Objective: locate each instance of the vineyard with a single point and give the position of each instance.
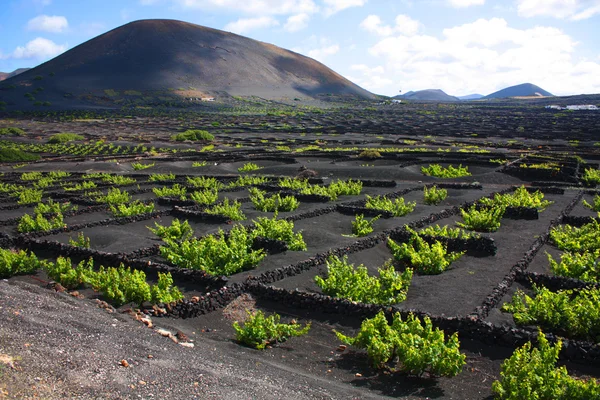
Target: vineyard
(435, 264)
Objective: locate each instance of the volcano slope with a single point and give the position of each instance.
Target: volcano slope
(151, 60)
(78, 343)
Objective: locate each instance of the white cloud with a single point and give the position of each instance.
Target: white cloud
(47, 23)
(296, 22)
(321, 53)
(42, 3)
(465, 3)
(244, 25)
(572, 9)
(38, 48)
(372, 77)
(404, 25)
(482, 57)
(255, 7)
(335, 6)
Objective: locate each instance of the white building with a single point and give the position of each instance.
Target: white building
(583, 107)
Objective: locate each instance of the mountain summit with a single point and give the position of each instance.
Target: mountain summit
(522, 90)
(169, 55)
(427, 95)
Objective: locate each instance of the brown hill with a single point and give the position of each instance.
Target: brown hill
(6, 75)
(178, 57)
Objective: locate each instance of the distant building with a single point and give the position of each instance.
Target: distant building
(396, 101)
(583, 107)
(554, 107)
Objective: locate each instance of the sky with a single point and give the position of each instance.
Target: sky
(386, 46)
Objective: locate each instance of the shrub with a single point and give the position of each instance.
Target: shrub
(38, 222)
(272, 203)
(164, 291)
(449, 172)
(354, 283)
(344, 188)
(533, 374)
(482, 220)
(425, 258)
(80, 186)
(293, 183)
(64, 137)
(52, 207)
(31, 176)
(81, 241)
(279, 229)
(16, 155)
(161, 177)
(575, 312)
(369, 154)
(215, 254)
(260, 331)
(584, 238)
(177, 231)
(193, 135)
(203, 182)
(433, 195)
(446, 232)
(595, 206)
(118, 179)
(13, 262)
(591, 177)
(199, 164)
(584, 266)
(233, 211)
(520, 198)
(175, 191)
(114, 197)
(247, 181)
(134, 208)
(62, 271)
(410, 346)
(361, 226)
(12, 131)
(397, 206)
(205, 197)
(248, 167)
(140, 167)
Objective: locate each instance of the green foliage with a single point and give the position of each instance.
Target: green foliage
(279, 229)
(164, 291)
(482, 220)
(595, 206)
(520, 198)
(433, 195)
(294, 183)
(248, 181)
(272, 203)
(354, 283)
(397, 206)
(233, 210)
(412, 347)
(205, 197)
(38, 222)
(134, 208)
(58, 174)
(584, 238)
(114, 197)
(575, 312)
(203, 182)
(15, 155)
(161, 177)
(118, 179)
(425, 258)
(64, 137)
(52, 207)
(449, 172)
(85, 185)
(550, 166)
(591, 176)
(533, 374)
(13, 262)
(362, 226)
(344, 188)
(31, 176)
(447, 232)
(199, 164)
(369, 154)
(62, 271)
(139, 166)
(193, 135)
(175, 191)
(584, 266)
(12, 131)
(177, 231)
(260, 331)
(248, 167)
(215, 254)
(82, 241)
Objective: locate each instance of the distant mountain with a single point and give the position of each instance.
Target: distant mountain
(522, 90)
(6, 75)
(174, 58)
(427, 95)
(474, 96)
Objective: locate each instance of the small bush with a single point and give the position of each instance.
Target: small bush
(38, 222)
(260, 331)
(344, 188)
(13, 262)
(114, 197)
(193, 135)
(29, 196)
(65, 137)
(249, 167)
(369, 154)
(397, 206)
(12, 131)
(203, 182)
(446, 232)
(134, 208)
(52, 207)
(272, 203)
(584, 238)
(482, 220)
(433, 195)
(140, 167)
(82, 241)
(362, 226)
(161, 177)
(595, 206)
(233, 210)
(449, 172)
(279, 229)
(16, 155)
(591, 177)
(520, 198)
(178, 231)
(584, 266)
(175, 191)
(205, 197)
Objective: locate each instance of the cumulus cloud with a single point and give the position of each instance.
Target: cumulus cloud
(372, 77)
(38, 48)
(403, 24)
(465, 3)
(244, 25)
(255, 7)
(484, 56)
(572, 9)
(321, 53)
(47, 23)
(296, 22)
(335, 6)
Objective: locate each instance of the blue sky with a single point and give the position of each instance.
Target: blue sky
(459, 46)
